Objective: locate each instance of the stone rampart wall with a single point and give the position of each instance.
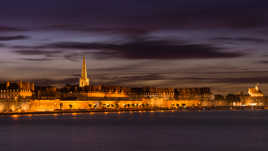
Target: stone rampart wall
(61, 105)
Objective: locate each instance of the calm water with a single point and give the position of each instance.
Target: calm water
(157, 131)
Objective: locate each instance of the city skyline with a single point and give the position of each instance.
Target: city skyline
(134, 75)
(179, 47)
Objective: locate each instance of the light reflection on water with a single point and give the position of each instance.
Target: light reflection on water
(14, 117)
(135, 131)
(137, 114)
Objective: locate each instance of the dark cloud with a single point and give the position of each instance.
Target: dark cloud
(123, 68)
(127, 79)
(133, 48)
(36, 59)
(8, 38)
(229, 80)
(246, 80)
(37, 52)
(38, 55)
(251, 39)
(240, 39)
(73, 56)
(163, 50)
(10, 29)
(74, 45)
(85, 28)
(148, 49)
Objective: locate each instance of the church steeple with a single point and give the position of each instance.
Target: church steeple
(84, 81)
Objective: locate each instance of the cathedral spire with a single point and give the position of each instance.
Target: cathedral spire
(84, 81)
(84, 68)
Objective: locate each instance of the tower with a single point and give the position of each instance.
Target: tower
(84, 81)
(257, 87)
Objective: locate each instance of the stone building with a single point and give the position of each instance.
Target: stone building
(84, 81)
(255, 92)
(15, 90)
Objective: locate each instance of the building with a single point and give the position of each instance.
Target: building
(254, 97)
(14, 90)
(84, 81)
(255, 92)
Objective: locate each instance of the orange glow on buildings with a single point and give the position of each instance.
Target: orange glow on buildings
(25, 97)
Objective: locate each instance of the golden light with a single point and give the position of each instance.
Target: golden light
(15, 116)
(12, 108)
(252, 104)
(74, 114)
(2, 107)
(25, 107)
(55, 114)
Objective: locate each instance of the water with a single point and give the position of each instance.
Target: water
(137, 131)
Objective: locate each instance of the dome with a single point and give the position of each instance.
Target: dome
(255, 92)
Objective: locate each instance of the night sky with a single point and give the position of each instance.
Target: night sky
(222, 44)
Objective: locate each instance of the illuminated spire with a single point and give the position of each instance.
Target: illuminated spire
(84, 81)
(257, 87)
(84, 69)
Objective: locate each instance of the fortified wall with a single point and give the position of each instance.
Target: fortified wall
(102, 98)
(27, 98)
(93, 105)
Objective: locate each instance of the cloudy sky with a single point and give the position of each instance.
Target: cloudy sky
(220, 44)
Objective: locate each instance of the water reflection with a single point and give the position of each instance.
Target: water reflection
(15, 117)
(136, 115)
(148, 131)
(75, 114)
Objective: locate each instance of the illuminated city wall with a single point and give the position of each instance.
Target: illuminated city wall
(59, 105)
(13, 106)
(92, 105)
(111, 104)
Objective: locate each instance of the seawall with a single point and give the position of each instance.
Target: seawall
(56, 105)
